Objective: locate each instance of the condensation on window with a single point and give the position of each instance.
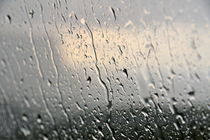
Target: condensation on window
(84, 69)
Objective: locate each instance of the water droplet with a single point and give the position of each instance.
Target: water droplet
(25, 131)
(31, 13)
(49, 83)
(25, 117)
(125, 72)
(39, 118)
(113, 12)
(82, 20)
(9, 18)
(191, 93)
(89, 79)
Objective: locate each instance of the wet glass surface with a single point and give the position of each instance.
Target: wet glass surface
(83, 69)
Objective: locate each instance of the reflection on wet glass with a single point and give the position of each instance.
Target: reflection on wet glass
(104, 69)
